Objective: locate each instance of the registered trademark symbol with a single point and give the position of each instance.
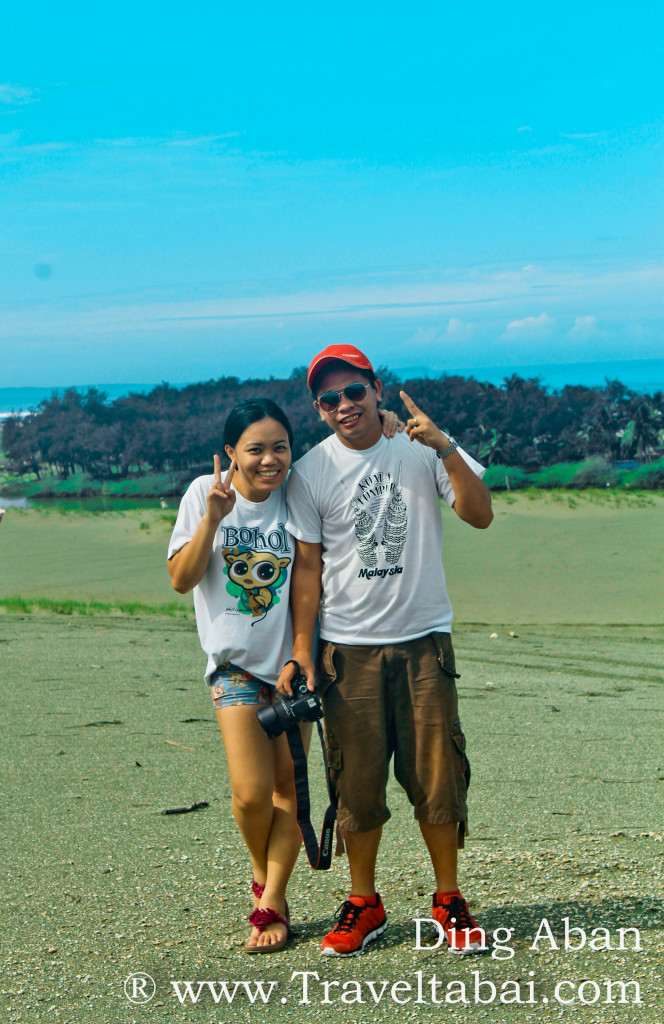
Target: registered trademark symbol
(139, 987)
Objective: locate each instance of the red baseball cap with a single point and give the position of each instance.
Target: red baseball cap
(343, 353)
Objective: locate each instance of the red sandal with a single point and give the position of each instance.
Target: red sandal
(260, 919)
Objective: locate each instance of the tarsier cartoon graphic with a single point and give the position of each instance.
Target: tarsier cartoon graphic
(259, 574)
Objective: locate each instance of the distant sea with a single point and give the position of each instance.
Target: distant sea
(645, 376)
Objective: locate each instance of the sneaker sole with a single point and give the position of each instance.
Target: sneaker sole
(329, 951)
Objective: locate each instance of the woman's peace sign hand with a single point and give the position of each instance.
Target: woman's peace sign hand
(420, 428)
(221, 496)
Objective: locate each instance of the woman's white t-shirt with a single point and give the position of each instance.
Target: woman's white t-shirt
(241, 604)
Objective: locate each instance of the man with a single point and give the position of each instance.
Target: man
(366, 515)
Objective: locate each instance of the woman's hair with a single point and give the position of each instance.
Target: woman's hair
(251, 411)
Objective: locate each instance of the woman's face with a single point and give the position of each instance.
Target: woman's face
(263, 459)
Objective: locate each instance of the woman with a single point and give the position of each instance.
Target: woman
(230, 544)
(231, 547)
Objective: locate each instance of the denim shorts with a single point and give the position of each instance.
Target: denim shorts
(231, 685)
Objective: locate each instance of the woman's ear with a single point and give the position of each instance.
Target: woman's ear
(229, 451)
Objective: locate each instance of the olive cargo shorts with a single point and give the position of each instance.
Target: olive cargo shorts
(395, 699)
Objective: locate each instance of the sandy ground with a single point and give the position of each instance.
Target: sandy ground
(106, 722)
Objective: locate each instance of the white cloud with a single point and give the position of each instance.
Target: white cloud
(458, 302)
(147, 141)
(585, 327)
(532, 326)
(201, 140)
(458, 330)
(17, 95)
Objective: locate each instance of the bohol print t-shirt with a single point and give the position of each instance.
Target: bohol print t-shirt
(241, 603)
(377, 513)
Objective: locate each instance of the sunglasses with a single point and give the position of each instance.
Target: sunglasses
(329, 400)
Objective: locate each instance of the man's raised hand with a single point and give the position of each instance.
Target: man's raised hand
(421, 428)
(221, 496)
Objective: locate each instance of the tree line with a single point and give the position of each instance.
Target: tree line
(518, 423)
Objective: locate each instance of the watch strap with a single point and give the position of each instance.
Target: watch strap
(452, 447)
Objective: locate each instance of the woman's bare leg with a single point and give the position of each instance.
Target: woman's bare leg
(285, 838)
(263, 805)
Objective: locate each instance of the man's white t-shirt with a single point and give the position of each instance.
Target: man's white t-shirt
(241, 604)
(377, 513)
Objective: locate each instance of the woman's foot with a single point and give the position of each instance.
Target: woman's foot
(271, 928)
(257, 890)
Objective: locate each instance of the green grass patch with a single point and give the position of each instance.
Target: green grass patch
(49, 485)
(508, 478)
(67, 606)
(614, 497)
(561, 475)
(595, 471)
(592, 472)
(150, 485)
(650, 477)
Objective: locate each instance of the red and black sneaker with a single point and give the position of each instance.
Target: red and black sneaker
(359, 920)
(462, 932)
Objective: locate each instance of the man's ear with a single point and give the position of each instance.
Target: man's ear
(379, 388)
(317, 408)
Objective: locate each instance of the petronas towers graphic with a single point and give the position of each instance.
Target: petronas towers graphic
(381, 519)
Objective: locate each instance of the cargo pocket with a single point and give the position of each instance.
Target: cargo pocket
(327, 673)
(445, 653)
(327, 677)
(459, 741)
(333, 752)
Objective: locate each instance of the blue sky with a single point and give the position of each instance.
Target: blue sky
(193, 190)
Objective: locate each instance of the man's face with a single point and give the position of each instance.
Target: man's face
(357, 424)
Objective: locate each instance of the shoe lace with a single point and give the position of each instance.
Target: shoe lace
(457, 908)
(346, 916)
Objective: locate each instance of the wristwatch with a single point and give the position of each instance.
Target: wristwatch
(452, 447)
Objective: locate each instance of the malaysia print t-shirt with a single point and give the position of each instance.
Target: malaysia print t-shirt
(241, 603)
(377, 513)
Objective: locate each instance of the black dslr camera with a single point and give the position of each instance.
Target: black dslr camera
(287, 712)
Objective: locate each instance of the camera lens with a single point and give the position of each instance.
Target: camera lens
(274, 719)
(287, 712)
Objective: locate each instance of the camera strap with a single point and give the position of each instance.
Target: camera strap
(319, 855)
